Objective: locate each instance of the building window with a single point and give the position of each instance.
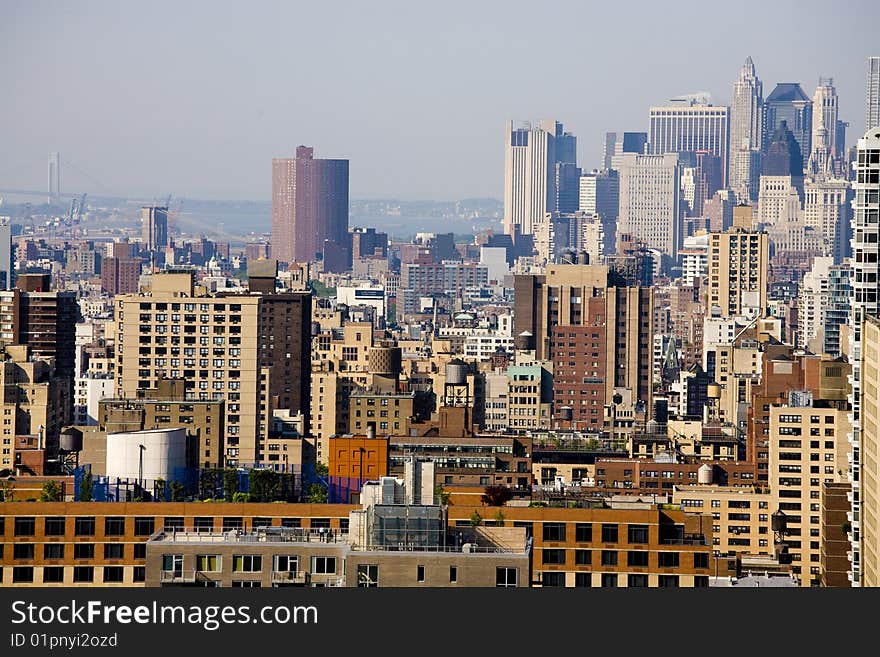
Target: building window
(701, 560)
(554, 531)
(667, 559)
(420, 573)
(637, 533)
(667, 581)
(583, 557)
(247, 563)
(208, 563)
(113, 573)
(114, 550)
(505, 577)
(83, 574)
(553, 580)
(22, 574)
(140, 551)
(204, 524)
(173, 524)
(453, 575)
(53, 551)
(84, 526)
(583, 532)
(637, 581)
(637, 559)
(609, 580)
(323, 565)
(139, 574)
(84, 551)
(53, 574)
(114, 526)
(554, 557)
(25, 527)
(367, 576)
(23, 551)
(583, 580)
(609, 557)
(55, 526)
(609, 533)
(144, 526)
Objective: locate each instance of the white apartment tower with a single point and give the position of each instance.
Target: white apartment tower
(863, 301)
(872, 95)
(650, 200)
(825, 109)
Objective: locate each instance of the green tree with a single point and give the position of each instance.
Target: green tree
(230, 483)
(208, 484)
(51, 492)
(265, 485)
(317, 494)
(442, 495)
(321, 469)
(7, 490)
(476, 519)
(499, 518)
(86, 487)
(238, 496)
(178, 491)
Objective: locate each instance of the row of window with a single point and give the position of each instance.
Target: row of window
(26, 551)
(635, 559)
(556, 532)
(81, 574)
(82, 526)
(612, 580)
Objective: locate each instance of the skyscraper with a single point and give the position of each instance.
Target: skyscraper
(865, 301)
(872, 95)
(535, 158)
(600, 194)
(825, 108)
(687, 128)
(746, 116)
(154, 227)
(54, 176)
(650, 200)
(309, 205)
(780, 195)
(7, 266)
(789, 103)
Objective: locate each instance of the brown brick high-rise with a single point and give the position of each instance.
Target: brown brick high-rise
(309, 205)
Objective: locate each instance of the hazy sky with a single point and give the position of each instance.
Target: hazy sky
(195, 98)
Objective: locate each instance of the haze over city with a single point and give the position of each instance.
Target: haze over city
(195, 99)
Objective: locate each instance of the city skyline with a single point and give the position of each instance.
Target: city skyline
(238, 115)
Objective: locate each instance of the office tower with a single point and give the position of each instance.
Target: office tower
(309, 205)
(631, 142)
(872, 95)
(608, 151)
(650, 200)
(825, 109)
(7, 262)
(782, 178)
(154, 227)
(838, 307)
(687, 128)
(600, 194)
(789, 103)
(746, 116)
(864, 302)
(700, 180)
(530, 173)
(367, 243)
(54, 183)
(828, 210)
(568, 177)
(738, 265)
